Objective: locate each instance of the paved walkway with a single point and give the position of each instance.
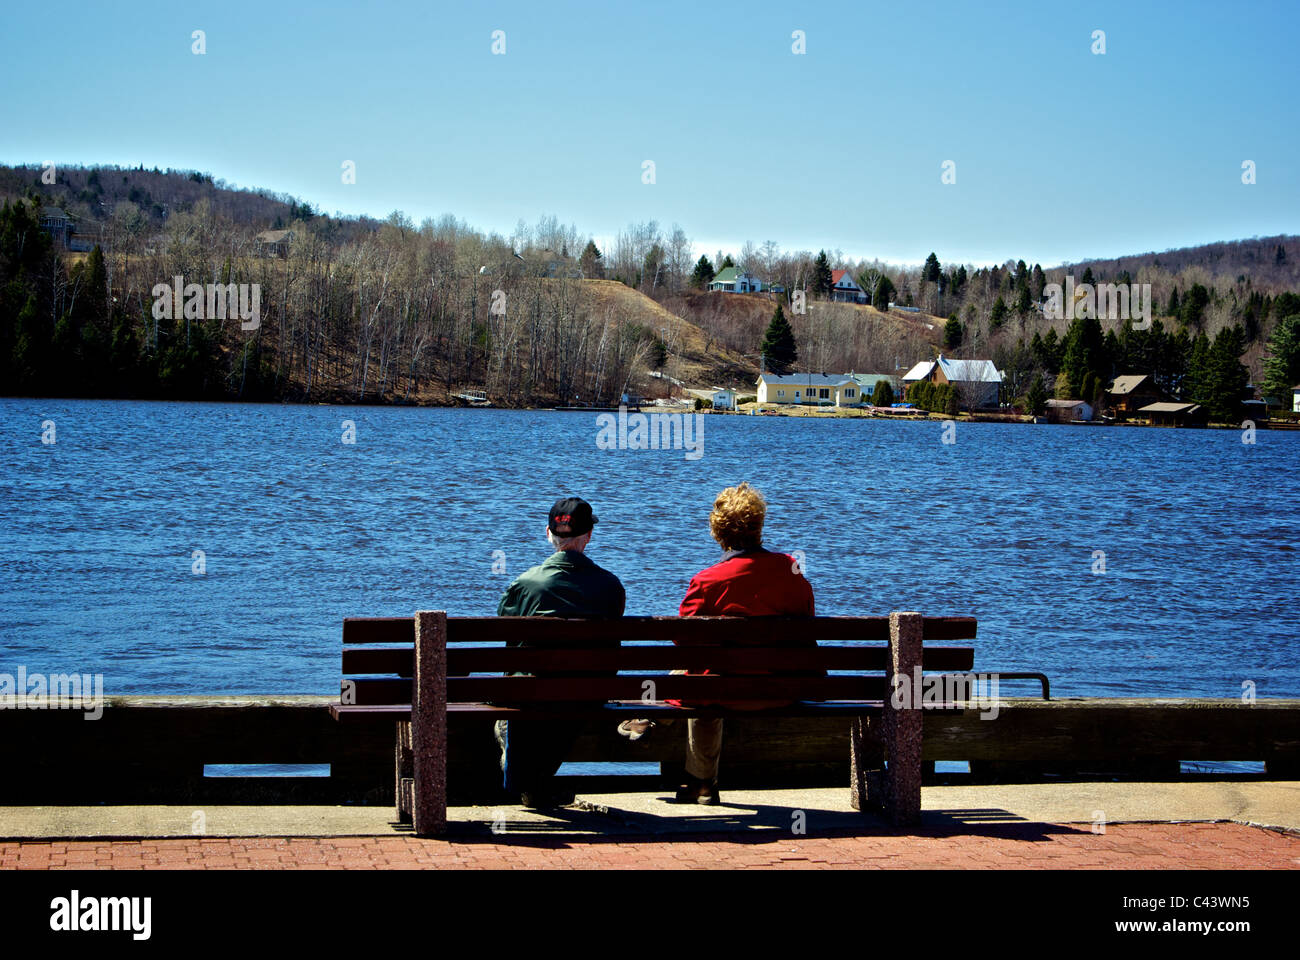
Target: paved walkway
(1126, 846)
(1222, 825)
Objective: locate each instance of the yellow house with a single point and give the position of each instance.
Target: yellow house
(839, 390)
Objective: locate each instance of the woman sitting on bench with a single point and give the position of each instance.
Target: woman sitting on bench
(749, 581)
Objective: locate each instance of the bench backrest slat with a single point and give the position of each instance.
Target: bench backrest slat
(756, 631)
(359, 661)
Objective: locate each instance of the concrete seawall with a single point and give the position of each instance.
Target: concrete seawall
(153, 749)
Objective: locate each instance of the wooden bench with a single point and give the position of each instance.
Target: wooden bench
(416, 671)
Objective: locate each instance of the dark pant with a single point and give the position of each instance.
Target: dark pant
(533, 749)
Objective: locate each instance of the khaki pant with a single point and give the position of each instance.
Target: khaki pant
(703, 747)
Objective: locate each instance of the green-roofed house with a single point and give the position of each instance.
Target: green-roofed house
(732, 280)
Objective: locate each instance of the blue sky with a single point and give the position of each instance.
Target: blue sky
(1059, 153)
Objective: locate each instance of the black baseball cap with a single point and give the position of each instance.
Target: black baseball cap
(571, 517)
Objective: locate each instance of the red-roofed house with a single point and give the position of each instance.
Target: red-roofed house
(844, 289)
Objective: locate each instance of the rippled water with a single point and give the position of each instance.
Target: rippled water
(300, 530)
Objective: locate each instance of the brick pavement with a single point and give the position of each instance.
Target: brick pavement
(1123, 846)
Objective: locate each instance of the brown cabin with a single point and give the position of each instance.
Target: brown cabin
(1129, 394)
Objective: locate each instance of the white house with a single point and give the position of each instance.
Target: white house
(844, 289)
(733, 280)
(814, 388)
(724, 399)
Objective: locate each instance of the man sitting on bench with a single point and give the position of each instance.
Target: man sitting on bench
(566, 584)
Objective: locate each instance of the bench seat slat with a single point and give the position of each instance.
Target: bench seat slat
(463, 661)
(388, 713)
(541, 689)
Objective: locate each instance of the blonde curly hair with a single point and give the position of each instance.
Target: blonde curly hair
(737, 518)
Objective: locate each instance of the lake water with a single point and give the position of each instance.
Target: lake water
(299, 529)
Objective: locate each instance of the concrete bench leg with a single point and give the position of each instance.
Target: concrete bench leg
(404, 770)
(429, 723)
(901, 727)
(866, 767)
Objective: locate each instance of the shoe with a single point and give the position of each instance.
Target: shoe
(635, 729)
(545, 799)
(699, 791)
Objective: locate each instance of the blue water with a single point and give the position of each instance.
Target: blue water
(299, 530)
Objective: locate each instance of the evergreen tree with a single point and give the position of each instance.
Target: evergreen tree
(1171, 309)
(821, 277)
(1090, 389)
(1036, 283)
(1197, 383)
(658, 354)
(1064, 388)
(1037, 350)
(1280, 257)
(883, 294)
(1112, 354)
(1052, 351)
(778, 348)
(1227, 376)
(1192, 312)
(883, 394)
(1084, 351)
(1036, 399)
(999, 313)
(590, 262)
(703, 274)
(952, 334)
(931, 272)
(1282, 368)
(1087, 275)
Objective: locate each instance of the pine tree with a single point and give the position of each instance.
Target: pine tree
(778, 348)
(1192, 313)
(1036, 399)
(952, 334)
(703, 274)
(1227, 376)
(1282, 369)
(931, 272)
(883, 394)
(1197, 382)
(821, 278)
(1171, 309)
(590, 262)
(1052, 351)
(999, 313)
(1088, 392)
(883, 294)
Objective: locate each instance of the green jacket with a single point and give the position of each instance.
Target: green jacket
(566, 584)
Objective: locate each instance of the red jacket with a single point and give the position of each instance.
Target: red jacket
(759, 583)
